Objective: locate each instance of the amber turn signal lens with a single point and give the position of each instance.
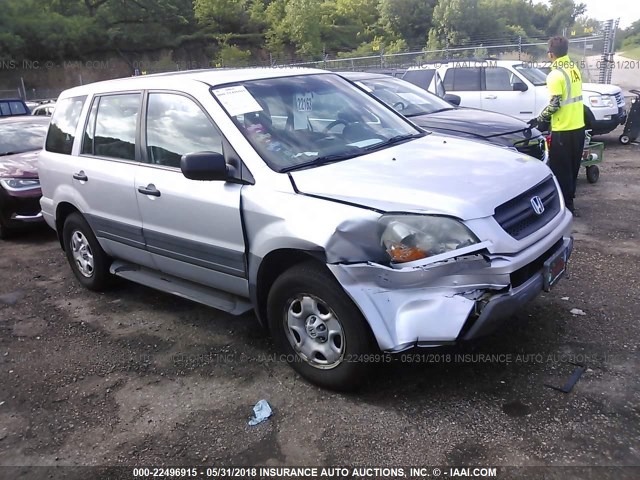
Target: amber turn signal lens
(400, 253)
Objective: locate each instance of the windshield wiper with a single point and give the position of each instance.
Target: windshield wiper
(429, 113)
(394, 140)
(8, 153)
(323, 160)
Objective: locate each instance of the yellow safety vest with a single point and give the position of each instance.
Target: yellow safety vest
(565, 79)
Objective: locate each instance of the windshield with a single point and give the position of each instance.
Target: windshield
(404, 97)
(532, 74)
(294, 122)
(21, 136)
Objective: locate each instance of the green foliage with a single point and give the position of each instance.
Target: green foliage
(222, 15)
(232, 56)
(630, 38)
(229, 29)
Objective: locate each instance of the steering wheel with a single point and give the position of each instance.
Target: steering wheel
(399, 106)
(335, 123)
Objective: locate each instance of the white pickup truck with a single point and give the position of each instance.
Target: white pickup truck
(514, 88)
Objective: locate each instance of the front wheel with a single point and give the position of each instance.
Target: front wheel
(624, 139)
(323, 334)
(593, 173)
(4, 232)
(90, 264)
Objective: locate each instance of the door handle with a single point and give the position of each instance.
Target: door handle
(80, 176)
(149, 190)
(491, 97)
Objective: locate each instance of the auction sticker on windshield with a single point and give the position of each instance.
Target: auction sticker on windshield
(304, 102)
(237, 100)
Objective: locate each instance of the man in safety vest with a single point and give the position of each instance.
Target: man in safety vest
(566, 113)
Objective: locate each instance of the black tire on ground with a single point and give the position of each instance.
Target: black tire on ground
(311, 281)
(624, 139)
(4, 232)
(99, 277)
(593, 173)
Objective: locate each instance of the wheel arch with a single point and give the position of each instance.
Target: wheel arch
(270, 268)
(63, 210)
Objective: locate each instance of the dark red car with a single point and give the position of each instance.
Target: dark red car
(21, 139)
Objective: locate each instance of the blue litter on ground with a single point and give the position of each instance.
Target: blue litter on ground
(261, 411)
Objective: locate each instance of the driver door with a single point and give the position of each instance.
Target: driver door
(499, 95)
(193, 229)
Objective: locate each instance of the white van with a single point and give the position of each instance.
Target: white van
(517, 89)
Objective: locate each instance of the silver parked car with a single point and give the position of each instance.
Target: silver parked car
(347, 229)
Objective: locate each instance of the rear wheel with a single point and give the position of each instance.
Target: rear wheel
(593, 173)
(90, 264)
(323, 334)
(624, 139)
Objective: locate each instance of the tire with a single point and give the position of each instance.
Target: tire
(4, 232)
(624, 139)
(593, 173)
(90, 264)
(338, 361)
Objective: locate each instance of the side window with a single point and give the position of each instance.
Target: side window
(18, 108)
(498, 78)
(62, 129)
(420, 78)
(176, 125)
(462, 79)
(4, 108)
(115, 126)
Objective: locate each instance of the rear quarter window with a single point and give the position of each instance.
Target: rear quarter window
(420, 78)
(62, 130)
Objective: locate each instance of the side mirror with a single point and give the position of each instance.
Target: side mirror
(520, 87)
(204, 166)
(451, 98)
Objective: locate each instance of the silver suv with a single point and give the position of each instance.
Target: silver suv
(349, 230)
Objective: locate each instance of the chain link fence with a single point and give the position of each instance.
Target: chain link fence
(593, 53)
(586, 51)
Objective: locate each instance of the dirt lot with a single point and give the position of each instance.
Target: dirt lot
(137, 377)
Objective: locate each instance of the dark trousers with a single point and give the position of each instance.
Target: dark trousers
(564, 160)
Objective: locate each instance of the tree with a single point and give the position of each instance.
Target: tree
(562, 14)
(410, 20)
(227, 16)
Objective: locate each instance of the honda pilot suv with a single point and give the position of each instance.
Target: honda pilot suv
(292, 192)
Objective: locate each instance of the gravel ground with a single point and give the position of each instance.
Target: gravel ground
(138, 377)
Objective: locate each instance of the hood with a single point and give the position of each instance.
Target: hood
(20, 165)
(475, 123)
(600, 88)
(434, 174)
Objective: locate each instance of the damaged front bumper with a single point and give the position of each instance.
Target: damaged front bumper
(443, 302)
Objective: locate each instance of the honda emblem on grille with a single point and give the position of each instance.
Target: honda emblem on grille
(537, 205)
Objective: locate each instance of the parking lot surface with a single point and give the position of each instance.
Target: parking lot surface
(138, 377)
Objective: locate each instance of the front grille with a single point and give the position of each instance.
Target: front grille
(534, 148)
(517, 216)
(619, 98)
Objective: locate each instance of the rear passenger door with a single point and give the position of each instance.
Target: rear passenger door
(102, 171)
(466, 83)
(192, 229)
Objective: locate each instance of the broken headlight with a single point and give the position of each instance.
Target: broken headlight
(411, 237)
